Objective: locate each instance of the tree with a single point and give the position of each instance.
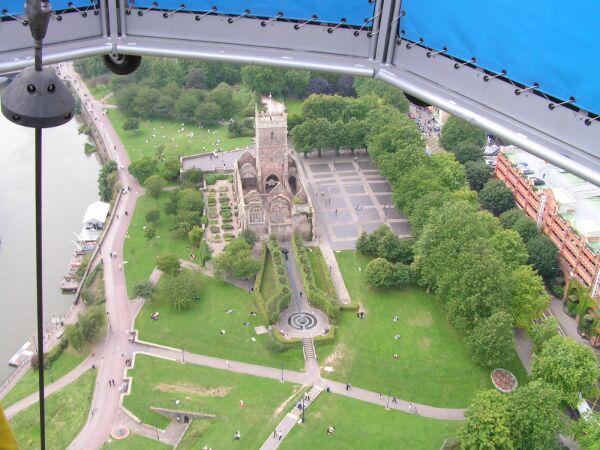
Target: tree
(380, 273)
(195, 236)
(186, 107)
(195, 79)
(318, 85)
(144, 289)
(249, 236)
(143, 168)
(458, 132)
(153, 216)
(508, 218)
(180, 292)
(389, 94)
(478, 173)
(154, 185)
(193, 176)
(208, 113)
(329, 107)
(467, 152)
(496, 197)
(570, 367)
(487, 423)
(149, 232)
(535, 417)
(345, 86)
(131, 124)
(294, 82)
(587, 432)
(510, 247)
(105, 181)
(223, 97)
(529, 299)
(168, 263)
(542, 332)
(236, 261)
(170, 170)
(526, 227)
(543, 255)
(75, 337)
(366, 245)
(491, 342)
(190, 200)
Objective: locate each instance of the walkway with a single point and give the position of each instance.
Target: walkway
(119, 310)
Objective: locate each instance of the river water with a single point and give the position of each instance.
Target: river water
(69, 185)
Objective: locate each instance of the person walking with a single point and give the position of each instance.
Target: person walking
(280, 434)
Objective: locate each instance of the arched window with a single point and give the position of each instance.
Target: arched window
(271, 182)
(256, 215)
(272, 136)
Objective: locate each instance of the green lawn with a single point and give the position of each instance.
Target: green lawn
(293, 105)
(99, 91)
(29, 383)
(361, 425)
(197, 330)
(158, 382)
(66, 413)
(175, 144)
(433, 367)
(141, 254)
(320, 271)
(135, 442)
(267, 286)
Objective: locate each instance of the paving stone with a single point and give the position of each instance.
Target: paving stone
(361, 200)
(400, 227)
(384, 199)
(368, 214)
(342, 166)
(319, 168)
(345, 231)
(354, 189)
(380, 187)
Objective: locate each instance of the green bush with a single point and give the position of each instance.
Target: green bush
(210, 179)
(226, 219)
(227, 226)
(220, 176)
(226, 214)
(228, 236)
(214, 229)
(274, 345)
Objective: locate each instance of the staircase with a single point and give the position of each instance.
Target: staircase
(433, 143)
(309, 348)
(312, 395)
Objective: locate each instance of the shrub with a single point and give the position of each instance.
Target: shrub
(226, 219)
(210, 179)
(227, 226)
(214, 229)
(273, 345)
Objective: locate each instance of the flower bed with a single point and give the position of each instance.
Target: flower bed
(504, 381)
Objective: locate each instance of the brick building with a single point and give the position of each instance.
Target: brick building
(553, 210)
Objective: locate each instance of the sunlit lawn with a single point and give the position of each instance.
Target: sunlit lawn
(319, 269)
(135, 442)
(175, 144)
(433, 366)
(198, 330)
(29, 383)
(140, 253)
(99, 91)
(361, 425)
(267, 287)
(158, 382)
(66, 413)
(293, 105)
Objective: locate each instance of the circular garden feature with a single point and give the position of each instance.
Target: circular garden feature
(504, 381)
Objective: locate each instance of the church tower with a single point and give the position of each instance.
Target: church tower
(271, 150)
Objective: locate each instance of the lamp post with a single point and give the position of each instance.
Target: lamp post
(303, 419)
(282, 371)
(38, 99)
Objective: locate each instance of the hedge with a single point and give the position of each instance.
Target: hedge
(317, 298)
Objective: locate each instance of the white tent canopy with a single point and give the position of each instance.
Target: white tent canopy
(96, 212)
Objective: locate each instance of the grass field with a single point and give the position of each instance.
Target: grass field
(361, 425)
(29, 383)
(433, 366)
(135, 442)
(197, 330)
(175, 144)
(141, 254)
(267, 287)
(293, 105)
(99, 91)
(319, 269)
(66, 413)
(158, 382)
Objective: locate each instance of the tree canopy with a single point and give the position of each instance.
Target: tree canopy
(236, 261)
(543, 255)
(168, 263)
(180, 292)
(491, 343)
(496, 197)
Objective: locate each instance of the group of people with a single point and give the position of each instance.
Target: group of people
(154, 315)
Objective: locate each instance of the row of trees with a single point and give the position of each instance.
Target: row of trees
(336, 122)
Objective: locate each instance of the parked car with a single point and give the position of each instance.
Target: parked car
(537, 181)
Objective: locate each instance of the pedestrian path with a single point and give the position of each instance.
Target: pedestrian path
(292, 418)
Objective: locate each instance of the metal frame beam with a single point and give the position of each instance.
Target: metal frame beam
(563, 136)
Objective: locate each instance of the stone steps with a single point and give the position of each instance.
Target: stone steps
(309, 348)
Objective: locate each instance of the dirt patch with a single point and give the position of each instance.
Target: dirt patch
(421, 319)
(193, 389)
(337, 355)
(288, 400)
(424, 344)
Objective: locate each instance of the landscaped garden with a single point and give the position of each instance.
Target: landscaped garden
(160, 383)
(139, 252)
(361, 425)
(140, 143)
(432, 365)
(198, 329)
(66, 413)
(221, 216)
(320, 271)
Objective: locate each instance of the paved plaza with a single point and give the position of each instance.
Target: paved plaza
(350, 196)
